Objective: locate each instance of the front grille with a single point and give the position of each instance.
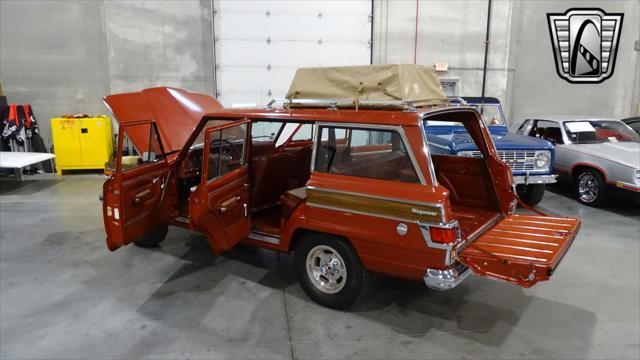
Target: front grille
(518, 160)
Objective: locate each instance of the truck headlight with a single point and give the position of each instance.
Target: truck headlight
(542, 160)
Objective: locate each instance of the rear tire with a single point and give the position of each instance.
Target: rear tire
(531, 194)
(590, 188)
(329, 271)
(153, 237)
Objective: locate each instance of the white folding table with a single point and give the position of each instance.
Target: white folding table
(18, 160)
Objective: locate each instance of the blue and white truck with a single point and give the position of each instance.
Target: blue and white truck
(531, 159)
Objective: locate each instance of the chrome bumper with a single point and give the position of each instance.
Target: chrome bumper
(534, 179)
(437, 279)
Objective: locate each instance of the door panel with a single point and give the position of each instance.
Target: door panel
(466, 179)
(522, 249)
(135, 198)
(219, 206)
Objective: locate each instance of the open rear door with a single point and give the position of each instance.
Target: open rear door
(219, 206)
(522, 249)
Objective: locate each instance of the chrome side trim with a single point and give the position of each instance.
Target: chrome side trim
(271, 239)
(441, 280)
(534, 179)
(396, 128)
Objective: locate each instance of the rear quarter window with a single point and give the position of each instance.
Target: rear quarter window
(366, 153)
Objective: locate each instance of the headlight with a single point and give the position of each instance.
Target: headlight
(637, 178)
(542, 160)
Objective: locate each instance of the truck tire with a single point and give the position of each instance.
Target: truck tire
(154, 237)
(590, 188)
(531, 194)
(330, 271)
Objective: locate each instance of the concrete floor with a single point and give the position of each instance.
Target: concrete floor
(64, 295)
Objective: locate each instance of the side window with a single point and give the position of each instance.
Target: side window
(523, 126)
(368, 153)
(140, 146)
(443, 137)
(265, 131)
(226, 150)
(305, 133)
(635, 126)
(547, 130)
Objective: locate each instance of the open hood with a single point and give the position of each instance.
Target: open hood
(176, 113)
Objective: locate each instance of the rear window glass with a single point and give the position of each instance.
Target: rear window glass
(368, 153)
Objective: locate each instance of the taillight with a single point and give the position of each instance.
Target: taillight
(442, 235)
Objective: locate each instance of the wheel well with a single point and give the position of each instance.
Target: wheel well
(301, 233)
(576, 170)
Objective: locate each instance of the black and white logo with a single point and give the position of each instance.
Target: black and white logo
(585, 43)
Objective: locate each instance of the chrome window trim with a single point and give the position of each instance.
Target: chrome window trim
(315, 146)
(365, 126)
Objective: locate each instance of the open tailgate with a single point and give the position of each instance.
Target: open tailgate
(522, 249)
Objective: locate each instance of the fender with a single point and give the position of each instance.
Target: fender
(604, 173)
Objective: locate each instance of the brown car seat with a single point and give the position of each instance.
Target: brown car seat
(270, 179)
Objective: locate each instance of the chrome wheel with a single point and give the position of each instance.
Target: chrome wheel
(326, 269)
(588, 188)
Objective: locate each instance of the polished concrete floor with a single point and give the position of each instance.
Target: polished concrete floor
(64, 295)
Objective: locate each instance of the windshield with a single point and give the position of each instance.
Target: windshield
(599, 131)
(491, 114)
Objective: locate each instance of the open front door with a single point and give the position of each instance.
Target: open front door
(134, 197)
(522, 249)
(219, 206)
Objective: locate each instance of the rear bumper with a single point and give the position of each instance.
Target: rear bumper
(534, 179)
(437, 279)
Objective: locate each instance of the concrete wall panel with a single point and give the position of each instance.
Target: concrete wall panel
(53, 56)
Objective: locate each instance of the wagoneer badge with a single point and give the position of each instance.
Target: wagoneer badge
(585, 43)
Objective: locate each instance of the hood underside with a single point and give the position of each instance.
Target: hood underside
(176, 113)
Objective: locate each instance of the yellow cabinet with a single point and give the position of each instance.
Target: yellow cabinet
(81, 143)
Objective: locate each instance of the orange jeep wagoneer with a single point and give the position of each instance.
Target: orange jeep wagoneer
(349, 189)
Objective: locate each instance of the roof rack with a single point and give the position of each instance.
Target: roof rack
(343, 103)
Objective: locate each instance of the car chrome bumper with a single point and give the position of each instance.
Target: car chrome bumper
(534, 179)
(437, 279)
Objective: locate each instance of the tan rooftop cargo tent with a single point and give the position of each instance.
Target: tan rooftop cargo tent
(372, 83)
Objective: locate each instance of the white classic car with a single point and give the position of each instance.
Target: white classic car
(594, 154)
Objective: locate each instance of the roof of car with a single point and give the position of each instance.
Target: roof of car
(479, 100)
(559, 118)
(347, 115)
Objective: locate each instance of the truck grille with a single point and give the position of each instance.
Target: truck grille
(518, 160)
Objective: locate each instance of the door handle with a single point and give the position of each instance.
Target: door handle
(137, 198)
(228, 204)
(155, 180)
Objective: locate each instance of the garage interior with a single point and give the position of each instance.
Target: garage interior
(64, 295)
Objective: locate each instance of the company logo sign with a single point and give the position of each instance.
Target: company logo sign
(585, 43)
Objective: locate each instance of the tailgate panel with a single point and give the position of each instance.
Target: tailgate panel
(522, 249)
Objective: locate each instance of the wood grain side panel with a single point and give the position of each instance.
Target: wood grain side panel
(375, 206)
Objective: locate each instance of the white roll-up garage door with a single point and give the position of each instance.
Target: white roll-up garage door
(260, 44)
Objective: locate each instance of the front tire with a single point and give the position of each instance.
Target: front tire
(330, 271)
(154, 237)
(531, 194)
(590, 188)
